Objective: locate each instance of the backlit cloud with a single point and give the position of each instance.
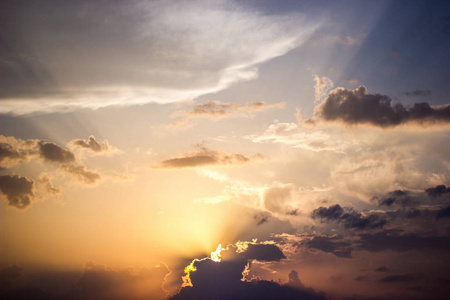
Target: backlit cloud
(353, 107)
(92, 144)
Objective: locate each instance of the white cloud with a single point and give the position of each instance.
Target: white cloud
(159, 51)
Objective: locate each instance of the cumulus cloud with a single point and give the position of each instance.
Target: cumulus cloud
(18, 190)
(18, 151)
(180, 50)
(225, 279)
(51, 152)
(92, 144)
(15, 151)
(207, 157)
(437, 191)
(348, 217)
(353, 107)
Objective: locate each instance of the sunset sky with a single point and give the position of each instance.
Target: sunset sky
(224, 149)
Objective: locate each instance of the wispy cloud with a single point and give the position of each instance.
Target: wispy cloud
(163, 51)
(206, 157)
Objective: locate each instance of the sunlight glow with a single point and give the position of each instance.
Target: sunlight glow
(215, 255)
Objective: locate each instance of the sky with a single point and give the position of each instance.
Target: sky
(224, 149)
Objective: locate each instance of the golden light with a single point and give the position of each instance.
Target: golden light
(215, 255)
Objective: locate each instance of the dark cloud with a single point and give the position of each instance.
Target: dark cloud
(224, 279)
(53, 153)
(261, 218)
(443, 213)
(358, 107)
(19, 191)
(396, 241)
(92, 144)
(398, 197)
(348, 217)
(437, 191)
(419, 93)
(331, 245)
(97, 282)
(206, 157)
(382, 269)
(333, 212)
(398, 278)
(10, 156)
(263, 252)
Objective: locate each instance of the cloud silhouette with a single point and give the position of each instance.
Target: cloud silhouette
(224, 279)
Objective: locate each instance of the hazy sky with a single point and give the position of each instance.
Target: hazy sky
(309, 139)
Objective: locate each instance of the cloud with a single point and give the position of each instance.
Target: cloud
(322, 86)
(95, 282)
(353, 107)
(92, 145)
(297, 137)
(348, 217)
(206, 157)
(15, 151)
(45, 181)
(330, 245)
(19, 191)
(382, 269)
(392, 240)
(180, 50)
(419, 93)
(51, 152)
(397, 197)
(81, 173)
(219, 110)
(225, 279)
(277, 197)
(437, 191)
(443, 213)
(398, 278)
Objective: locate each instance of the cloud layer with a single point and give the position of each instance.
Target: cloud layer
(163, 51)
